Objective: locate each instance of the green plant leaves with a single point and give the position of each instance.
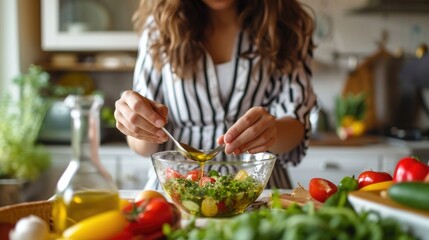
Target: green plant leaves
(20, 124)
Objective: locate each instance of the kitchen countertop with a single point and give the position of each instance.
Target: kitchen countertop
(331, 139)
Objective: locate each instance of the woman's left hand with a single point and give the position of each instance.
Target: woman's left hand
(254, 132)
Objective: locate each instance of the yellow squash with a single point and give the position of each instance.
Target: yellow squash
(99, 227)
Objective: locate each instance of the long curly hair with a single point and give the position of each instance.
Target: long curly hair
(280, 30)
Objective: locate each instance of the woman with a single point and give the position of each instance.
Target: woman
(234, 72)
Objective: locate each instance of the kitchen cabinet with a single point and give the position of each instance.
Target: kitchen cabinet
(132, 169)
(110, 82)
(88, 25)
(334, 163)
(128, 169)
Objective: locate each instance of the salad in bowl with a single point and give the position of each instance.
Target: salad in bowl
(222, 187)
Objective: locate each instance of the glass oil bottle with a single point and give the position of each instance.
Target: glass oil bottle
(85, 189)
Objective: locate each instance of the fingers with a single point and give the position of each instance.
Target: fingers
(220, 140)
(253, 132)
(130, 129)
(144, 107)
(140, 117)
(260, 144)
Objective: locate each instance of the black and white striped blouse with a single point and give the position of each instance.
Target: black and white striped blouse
(197, 115)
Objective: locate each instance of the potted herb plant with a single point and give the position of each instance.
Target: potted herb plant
(22, 159)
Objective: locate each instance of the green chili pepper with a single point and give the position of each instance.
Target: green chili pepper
(348, 184)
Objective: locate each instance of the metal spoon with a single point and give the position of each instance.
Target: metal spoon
(192, 153)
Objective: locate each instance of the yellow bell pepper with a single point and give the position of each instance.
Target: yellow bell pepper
(380, 186)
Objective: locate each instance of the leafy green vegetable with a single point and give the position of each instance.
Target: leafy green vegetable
(295, 223)
(340, 198)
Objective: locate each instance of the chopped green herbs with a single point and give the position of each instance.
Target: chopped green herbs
(232, 196)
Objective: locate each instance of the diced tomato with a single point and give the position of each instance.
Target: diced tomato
(221, 206)
(194, 175)
(205, 180)
(321, 189)
(170, 173)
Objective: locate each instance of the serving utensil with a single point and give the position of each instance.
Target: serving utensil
(192, 153)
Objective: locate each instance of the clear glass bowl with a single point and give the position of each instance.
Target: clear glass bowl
(229, 183)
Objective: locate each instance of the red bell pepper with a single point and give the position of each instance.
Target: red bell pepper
(410, 169)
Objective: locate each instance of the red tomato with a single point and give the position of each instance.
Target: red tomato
(221, 207)
(5, 229)
(194, 175)
(124, 235)
(148, 216)
(321, 189)
(370, 177)
(170, 173)
(205, 180)
(410, 169)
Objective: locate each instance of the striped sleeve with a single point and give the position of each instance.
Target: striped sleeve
(296, 100)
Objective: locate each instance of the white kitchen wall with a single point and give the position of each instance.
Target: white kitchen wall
(9, 47)
(349, 33)
(19, 40)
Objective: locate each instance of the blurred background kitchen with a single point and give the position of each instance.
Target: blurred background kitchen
(379, 47)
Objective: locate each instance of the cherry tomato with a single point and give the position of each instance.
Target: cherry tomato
(370, 177)
(148, 216)
(410, 169)
(321, 189)
(170, 173)
(194, 175)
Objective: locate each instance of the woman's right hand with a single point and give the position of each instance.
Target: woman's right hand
(141, 118)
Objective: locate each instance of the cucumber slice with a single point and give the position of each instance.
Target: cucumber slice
(191, 206)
